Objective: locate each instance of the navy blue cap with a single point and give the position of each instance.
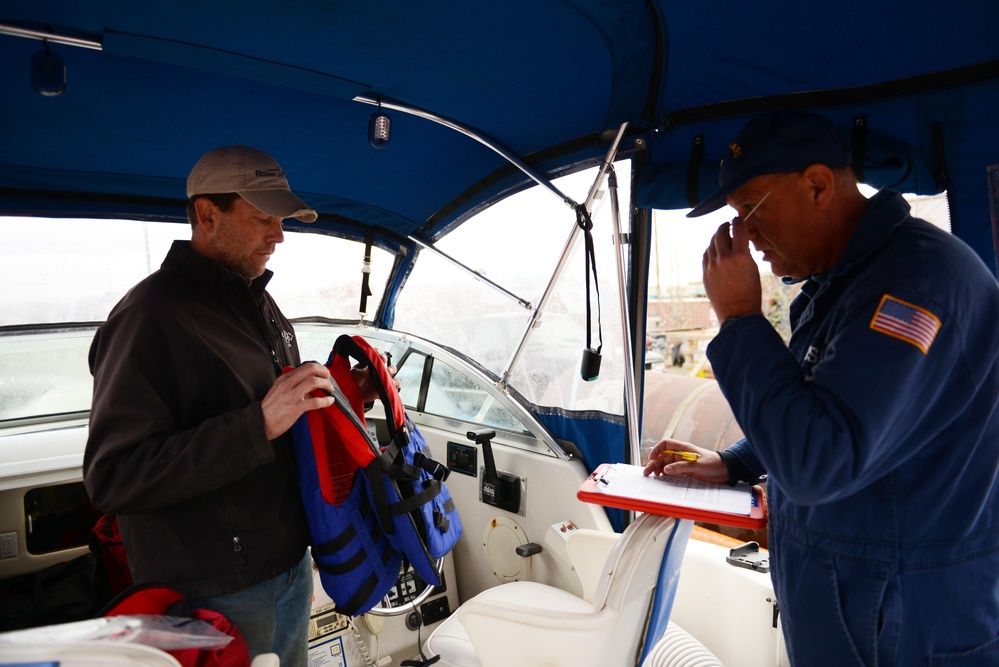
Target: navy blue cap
(774, 143)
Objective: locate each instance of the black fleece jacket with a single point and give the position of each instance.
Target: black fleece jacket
(177, 447)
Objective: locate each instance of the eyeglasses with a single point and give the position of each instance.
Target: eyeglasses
(753, 210)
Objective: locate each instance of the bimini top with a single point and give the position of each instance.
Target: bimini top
(151, 86)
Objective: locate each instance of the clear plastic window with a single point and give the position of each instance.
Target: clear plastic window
(452, 394)
(517, 243)
(71, 271)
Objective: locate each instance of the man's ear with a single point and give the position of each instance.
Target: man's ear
(208, 214)
(821, 182)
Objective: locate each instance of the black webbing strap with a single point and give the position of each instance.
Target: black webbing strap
(440, 518)
(435, 469)
(585, 223)
(389, 455)
(415, 501)
(341, 541)
(858, 146)
(366, 273)
(380, 498)
(694, 171)
(363, 593)
(330, 547)
(343, 568)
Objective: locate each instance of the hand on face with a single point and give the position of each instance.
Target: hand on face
(731, 276)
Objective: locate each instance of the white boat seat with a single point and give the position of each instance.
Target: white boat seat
(527, 623)
(85, 654)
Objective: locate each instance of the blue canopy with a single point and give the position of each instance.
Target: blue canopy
(152, 85)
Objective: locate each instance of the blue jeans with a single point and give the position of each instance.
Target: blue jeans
(272, 616)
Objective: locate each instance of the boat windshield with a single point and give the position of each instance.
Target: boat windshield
(59, 278)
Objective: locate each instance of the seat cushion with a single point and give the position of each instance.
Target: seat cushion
(450, 640)
(451, 643)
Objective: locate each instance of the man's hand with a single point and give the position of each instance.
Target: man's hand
(708, 468)
(731, 276)
(362, 376)
(291, 396)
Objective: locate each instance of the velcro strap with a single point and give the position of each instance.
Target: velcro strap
(362, 594)
(694, 171)
(403, 471)
(330, 547)
(435, 469)
(343, 568)
(441, 521)
(415, 501)
(380, 499)
(388, 456)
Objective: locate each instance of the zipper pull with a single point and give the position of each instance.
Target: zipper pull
(236, 546)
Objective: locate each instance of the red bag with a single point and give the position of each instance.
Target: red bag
(163, 600)
(112, 575)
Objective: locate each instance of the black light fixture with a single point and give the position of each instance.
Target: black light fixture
(48, 72)
(379, 128)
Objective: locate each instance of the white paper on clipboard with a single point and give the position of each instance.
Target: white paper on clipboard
(627, 481)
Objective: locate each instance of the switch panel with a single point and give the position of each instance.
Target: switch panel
(563, 529)
(557, 535)
(462, 458)
(8, 545)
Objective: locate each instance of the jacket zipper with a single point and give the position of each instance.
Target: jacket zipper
(237, 547)
(258, 319)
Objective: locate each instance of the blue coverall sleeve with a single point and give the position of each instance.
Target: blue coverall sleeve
(865, 408)
(742, 464)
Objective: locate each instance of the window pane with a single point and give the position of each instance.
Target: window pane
(410, 376)
(454, 394)
(518, 244)
(45, 373)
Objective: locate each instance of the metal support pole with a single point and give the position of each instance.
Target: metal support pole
(523, 303)
(471, 133)
(66, 40)
(630, 392)
(534, 320)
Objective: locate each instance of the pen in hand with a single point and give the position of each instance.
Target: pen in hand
(686, 456)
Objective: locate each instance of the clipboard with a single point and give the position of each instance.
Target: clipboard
(756, 519)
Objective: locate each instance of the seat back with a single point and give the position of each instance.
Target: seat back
(555, 627)
(667, 585)
(633, 566)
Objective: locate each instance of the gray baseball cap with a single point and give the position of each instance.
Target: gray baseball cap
(253, 175)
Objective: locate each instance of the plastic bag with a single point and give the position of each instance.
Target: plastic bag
(167, 633)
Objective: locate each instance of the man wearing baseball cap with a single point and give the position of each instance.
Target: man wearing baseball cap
(189, 441)
(876, 426)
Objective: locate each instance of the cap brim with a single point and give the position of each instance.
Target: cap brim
(719, 198)
(709, 205)
(280, 203)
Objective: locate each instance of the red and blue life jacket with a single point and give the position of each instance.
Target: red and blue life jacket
(370, 508)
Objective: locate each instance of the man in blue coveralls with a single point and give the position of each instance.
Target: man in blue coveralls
(877, 426)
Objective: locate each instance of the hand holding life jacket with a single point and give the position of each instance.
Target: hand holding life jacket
(370, 507)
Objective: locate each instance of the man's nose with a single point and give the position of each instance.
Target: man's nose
(276, 230)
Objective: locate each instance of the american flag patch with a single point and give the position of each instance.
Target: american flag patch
(907, 322)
